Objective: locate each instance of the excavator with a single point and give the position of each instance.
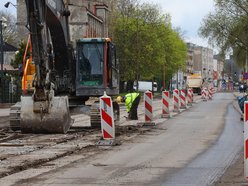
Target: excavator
(61, 73)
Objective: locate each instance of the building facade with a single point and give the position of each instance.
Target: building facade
(190, 59)
(87, 19)
(203, 62)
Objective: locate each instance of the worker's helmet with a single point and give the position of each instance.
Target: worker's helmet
(118, 99)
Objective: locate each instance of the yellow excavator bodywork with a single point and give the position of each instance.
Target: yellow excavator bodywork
(28, 76)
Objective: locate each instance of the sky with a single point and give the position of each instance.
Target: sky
(11, 9)
(186, 14)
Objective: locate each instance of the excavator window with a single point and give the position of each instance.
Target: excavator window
(113, 67)
(90, 59)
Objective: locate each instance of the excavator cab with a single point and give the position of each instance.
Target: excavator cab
(97, 67)
(97, 70)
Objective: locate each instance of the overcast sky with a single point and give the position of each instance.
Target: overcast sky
(11, 9)
(186, 14)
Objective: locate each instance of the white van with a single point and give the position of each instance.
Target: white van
(146, 85)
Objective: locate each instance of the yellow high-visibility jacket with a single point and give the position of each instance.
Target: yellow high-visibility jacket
(130, 99)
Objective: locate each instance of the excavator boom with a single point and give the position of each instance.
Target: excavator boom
(43, 112)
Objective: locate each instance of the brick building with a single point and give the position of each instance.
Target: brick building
(87, 19)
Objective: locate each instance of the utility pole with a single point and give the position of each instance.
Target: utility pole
(1, 35)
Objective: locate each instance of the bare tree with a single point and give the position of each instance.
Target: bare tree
(9, 28)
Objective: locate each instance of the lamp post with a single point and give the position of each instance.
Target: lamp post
(1, 35)
(8, 3)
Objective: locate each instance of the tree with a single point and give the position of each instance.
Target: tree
(227, 27)
(19, 55)
(145, 41)
(9, 28)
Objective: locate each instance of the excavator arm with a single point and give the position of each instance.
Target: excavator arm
(36, 13)
(53, 58)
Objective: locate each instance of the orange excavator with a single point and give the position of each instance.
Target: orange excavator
(57, 74)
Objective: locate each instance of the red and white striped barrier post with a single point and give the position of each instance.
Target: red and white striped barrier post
(166, 104)
(183, 99)
(207, 93)
(204, 94)
(107, 117)
(190, 97)
(246, 139)
(210, 93)
(148, 98)
(176, 100)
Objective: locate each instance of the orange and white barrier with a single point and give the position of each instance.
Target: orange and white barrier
(176, 100)
(183, 99)
(107, 117)
(165, 104)
(148, 98)
(246, 139)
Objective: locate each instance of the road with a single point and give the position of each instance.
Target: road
(193, 148)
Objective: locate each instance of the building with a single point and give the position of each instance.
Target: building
(203, 62)
(190, 59)
(199, 60)
(231, 70)
(220, 67)
(8, 55)
(87, 19)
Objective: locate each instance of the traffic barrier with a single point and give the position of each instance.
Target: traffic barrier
(183, 100)
(190, 97)
(210, 93)
(176, 100)
(107, 117)
(148, 98)
(204, 94)
(246, 139)
(166, 104)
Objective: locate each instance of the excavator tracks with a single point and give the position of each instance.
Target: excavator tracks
(95, 118)
(14, 117)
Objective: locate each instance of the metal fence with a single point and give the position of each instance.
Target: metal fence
(10, 91)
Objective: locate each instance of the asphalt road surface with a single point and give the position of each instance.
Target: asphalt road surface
(193, 148)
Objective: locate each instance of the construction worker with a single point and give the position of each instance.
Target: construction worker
(131, 101)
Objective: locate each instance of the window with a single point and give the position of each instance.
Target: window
(90, 59)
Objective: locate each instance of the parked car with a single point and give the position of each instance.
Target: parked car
(241, 101)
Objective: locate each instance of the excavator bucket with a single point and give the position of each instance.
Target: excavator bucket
(57, 120)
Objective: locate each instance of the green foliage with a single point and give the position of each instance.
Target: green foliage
(146, 43)
(227, 26)
(19, 55)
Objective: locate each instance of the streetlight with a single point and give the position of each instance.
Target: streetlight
(8, 3)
